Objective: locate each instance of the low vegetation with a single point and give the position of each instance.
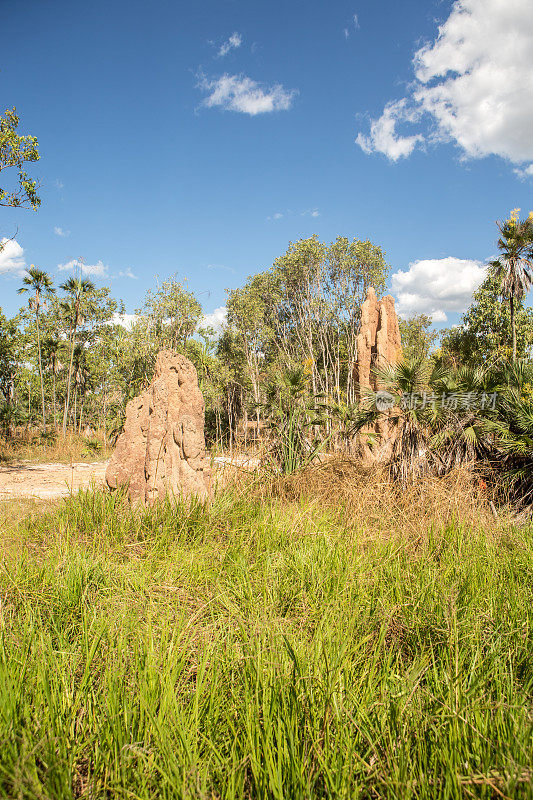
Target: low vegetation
(268, 645)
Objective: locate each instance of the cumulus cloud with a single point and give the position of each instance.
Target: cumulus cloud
(215, 320)
(234, 41)
(98, 270)
(11, 258)
(384, 138)
(437, 285)
(60, 232)
(244, 95)
(474, 83)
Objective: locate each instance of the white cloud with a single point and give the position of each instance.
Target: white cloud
(437, 285)
(60, 232)
(234, 41)
(310, 212)
(356, 26)
(98, 270)
(11, 258)
(128, 273)
(524, 172)
(383, 137)
(474, 82)
(242, 94)
(59, 184)
(215, 320)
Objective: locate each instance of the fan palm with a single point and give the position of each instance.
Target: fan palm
(40, 285)
(514, 268)
(293, 413)
(459, 431)
(438, 415)
(77, 289)
(512, 426)
(407, 384)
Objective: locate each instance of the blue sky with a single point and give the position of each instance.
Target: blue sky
(200, 138)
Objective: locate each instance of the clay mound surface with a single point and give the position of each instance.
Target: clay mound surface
(379, 345)
(162, 447)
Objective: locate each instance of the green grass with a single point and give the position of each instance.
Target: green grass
(267, 650)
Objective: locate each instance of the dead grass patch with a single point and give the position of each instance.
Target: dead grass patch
(374, 503)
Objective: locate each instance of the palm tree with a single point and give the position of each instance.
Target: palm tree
(81, 377)
(51, 352)
(77, 289)
(40, 283)
(514, 268)
(511, 424)
(405, 384)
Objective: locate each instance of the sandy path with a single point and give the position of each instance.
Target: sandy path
(49, 481)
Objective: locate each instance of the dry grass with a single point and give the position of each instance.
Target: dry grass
(36, 447)
(381, 506)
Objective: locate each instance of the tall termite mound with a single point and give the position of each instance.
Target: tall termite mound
(162, 447)
(378, 345)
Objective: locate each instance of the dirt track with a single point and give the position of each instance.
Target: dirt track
(49, 481)
(52, 481)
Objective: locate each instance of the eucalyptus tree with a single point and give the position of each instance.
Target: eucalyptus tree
(39, 285)
(319, 290)
(485, 335)
(173, 312)
(15, 151)
(247, 314)
(77, 290)
(299, 306)
(417, 336)
(514, 267)
(352, 267)
(8, 359)
(304, 313)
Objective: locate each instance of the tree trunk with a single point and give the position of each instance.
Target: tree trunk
(69, 380)
(513, 324)
(54, 394)
(40, 367)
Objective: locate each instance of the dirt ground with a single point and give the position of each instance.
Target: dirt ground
(52, 481)
(49, 481)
